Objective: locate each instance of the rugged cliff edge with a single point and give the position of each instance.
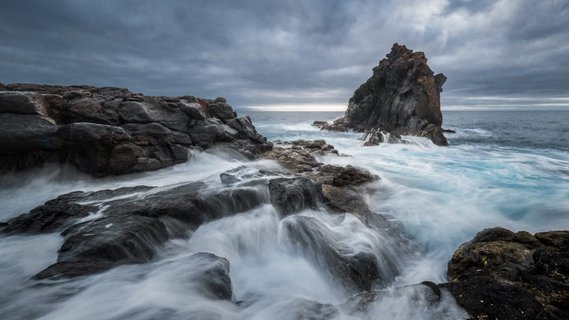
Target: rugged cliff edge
(112, 130)
(402, 96)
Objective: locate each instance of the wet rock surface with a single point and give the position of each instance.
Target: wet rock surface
(300, 155)
(212, 278)
(290, 195)
(427, 301)
(106, 131)
(356, 271)
(125, 226)
(506, 275)
(375, 137)
(401, 97)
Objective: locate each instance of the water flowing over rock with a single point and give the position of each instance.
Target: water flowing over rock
(402, 97)
(432, 302)
(355, 271)
(124, 226)
(106, 131)
(212, 279)
(505, 275)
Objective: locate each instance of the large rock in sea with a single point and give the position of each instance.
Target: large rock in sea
(402, 96)
(106, 131)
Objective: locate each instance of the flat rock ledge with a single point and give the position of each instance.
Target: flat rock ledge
(106, 131)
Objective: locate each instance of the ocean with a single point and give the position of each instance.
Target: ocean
(508, 169)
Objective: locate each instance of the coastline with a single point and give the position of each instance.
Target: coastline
(425, 290)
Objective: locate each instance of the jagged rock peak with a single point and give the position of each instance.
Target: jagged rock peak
(401, 96)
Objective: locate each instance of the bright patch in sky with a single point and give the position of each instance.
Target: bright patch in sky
(299, 107)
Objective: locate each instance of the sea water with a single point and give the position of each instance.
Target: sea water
(508, 169)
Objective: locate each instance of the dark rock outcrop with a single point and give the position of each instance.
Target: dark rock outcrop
(505, 275)
(124, 226)
(422, 301)
(339, 176)
(300, 156)
(212, 278)
(375, 137)
(402, 96)
(107, 228)
(290, 195)
(355, 271)
(106, 131)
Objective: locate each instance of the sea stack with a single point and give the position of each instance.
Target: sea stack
(402, 96)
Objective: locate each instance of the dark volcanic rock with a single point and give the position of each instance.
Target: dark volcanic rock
(106, 243)
(98, 149)
(125, 225)
(422, 301)
(301, 156)
(154, 132)
(23, 102)
(87, 109)
(344, 200)
(212, 278)
(290, 195)
(402, 95)
(498, 265)
(428, 292)
(355, 271)
(20, 133)
(375, 137)
(342, 176)
(303, 309)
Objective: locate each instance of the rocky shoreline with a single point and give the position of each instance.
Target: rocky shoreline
(499, 274)
(109, 131)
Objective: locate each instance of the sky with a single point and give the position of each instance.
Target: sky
(291, 54)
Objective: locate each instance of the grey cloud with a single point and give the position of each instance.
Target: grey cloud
(286, 52)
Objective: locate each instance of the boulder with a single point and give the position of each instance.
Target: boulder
(146, 112)
(420, 301)
(356, 271)
(499, 264)
(88, 109)
(193, 110)
(291, 195)
(90, 133)
(27, 132)
(304, 309)
(402, 95)
(375, 137)
(211, 276)
(344, 200)
(342, 176)
(221, 110)
(98, 149)
(23, 103)
(300, 156)
(149, 133)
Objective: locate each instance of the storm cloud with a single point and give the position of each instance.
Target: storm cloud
(496, 54)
